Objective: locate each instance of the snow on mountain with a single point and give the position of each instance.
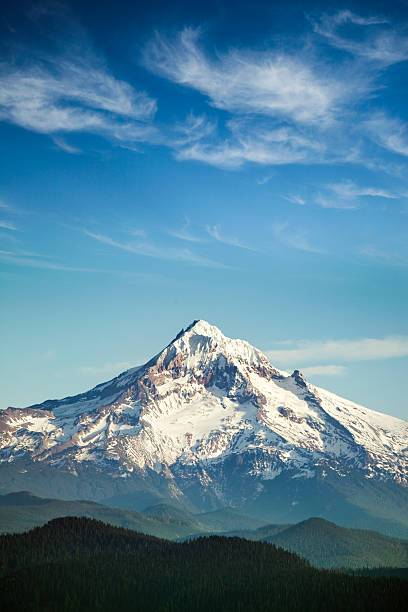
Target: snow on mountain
(205, 402)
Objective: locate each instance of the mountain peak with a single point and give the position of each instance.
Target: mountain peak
(201, 328)
(203, 340)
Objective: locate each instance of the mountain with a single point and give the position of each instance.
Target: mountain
(75, 564)
(327, 545)
(210, 423)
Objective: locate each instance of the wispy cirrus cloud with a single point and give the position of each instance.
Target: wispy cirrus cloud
(255, 141)
(215, 232)
(348, 189)
(380, 255)
(148, 249)
(345, 195)
(324, 370)
(328, 201)
(380, 42)
(73, 94)
(70, 89)
(287, 107)
(364, 349)
(109, 369)
(27, 259)
(294, 238)
(270, 83)
(295, 199)
(388, 132)
(62, 144)
(193, 129)
(184, 233)
(7, 225)
(33, 260)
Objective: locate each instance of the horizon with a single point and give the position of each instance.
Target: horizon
(244, 164)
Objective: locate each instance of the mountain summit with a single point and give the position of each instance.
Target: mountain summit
(209, 422)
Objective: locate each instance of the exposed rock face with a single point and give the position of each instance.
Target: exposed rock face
(212, 418)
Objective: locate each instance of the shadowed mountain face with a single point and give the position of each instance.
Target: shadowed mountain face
(209, 423)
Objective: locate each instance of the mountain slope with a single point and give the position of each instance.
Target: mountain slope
(209, 423)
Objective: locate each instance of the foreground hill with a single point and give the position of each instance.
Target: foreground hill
(209, 423)
(76, 564)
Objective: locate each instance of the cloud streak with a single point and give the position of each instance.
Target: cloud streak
(294, 238)
(184, 233)
(72, 91)
(324, 370)
(382, 44)
(147, 249)
(388, 132)
(109, 369)
(364, 349)
(7, 225)
(215, 232)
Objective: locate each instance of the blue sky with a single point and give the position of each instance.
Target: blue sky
(243, 164)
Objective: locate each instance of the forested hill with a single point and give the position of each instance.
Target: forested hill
(325, 544)
(79, 564)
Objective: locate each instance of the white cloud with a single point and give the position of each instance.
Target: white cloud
(390, 258)
(383, 45)
(193, 129)
(295, 199)
(348, 189)
(158, 252)
(215, 232)
(255, 141)
(324, 370)
(65, 146)
(340, 203)
(390, 133)
(271, 83)
(184, 233)
(305, 351)
(73, 92)
(139, 233)
(31, 260)
(110, 369)
(7, 225)
(294, 238)
(265, 179)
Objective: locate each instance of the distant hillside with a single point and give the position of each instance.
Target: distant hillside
(325, 544)
(228, 519)
(79, 564)
(22, 511)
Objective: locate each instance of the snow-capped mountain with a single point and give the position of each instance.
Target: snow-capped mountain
(209, 422)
